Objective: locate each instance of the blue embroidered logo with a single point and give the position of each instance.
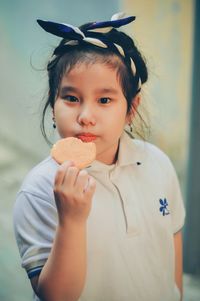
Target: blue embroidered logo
(163, 207)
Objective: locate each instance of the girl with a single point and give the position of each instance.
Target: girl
(112, 231)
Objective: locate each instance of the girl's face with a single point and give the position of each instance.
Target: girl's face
(90, 101)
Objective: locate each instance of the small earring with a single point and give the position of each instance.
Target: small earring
(131, 127)
(54, 123)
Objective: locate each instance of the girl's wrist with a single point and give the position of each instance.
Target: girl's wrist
(71, 223)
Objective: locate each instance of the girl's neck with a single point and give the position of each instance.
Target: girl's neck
(109, 157)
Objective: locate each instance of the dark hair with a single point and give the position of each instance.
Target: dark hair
(67, 56)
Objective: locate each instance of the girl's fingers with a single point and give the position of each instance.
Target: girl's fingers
(71, 176)
(90, 189)
(81, 181)
(76, 181)
(60, 175)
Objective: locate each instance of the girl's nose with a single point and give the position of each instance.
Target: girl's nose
(86, 116)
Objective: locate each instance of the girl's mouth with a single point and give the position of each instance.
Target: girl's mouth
(86, 137)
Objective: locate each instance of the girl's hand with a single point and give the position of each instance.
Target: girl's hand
(73, 191)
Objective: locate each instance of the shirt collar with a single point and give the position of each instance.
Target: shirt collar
(129, 152)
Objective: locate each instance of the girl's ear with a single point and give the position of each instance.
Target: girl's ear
(135, 103)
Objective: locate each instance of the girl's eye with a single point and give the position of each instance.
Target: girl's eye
(105, 100)
(70, 98)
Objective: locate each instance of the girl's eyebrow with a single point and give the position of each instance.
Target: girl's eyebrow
(107, 90)
(67, 89)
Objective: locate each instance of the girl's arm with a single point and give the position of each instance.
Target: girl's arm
(178, 261)
(63, 275)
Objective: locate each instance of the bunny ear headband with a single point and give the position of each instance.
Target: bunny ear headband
(75, 35)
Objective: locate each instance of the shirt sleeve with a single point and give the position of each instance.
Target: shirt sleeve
(177, 207)
(35, 221)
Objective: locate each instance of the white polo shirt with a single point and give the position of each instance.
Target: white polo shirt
(137, 207)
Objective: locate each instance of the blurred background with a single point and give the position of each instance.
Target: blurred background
(167, 33)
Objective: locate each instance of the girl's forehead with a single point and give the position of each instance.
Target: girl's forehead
(92, 77)
(94, 71)
(91, 67)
